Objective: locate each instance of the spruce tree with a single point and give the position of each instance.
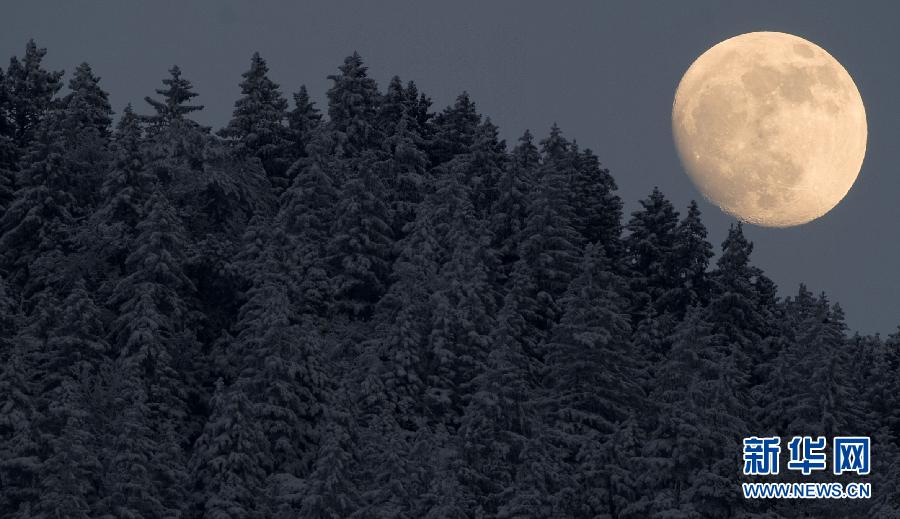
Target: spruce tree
(303, 122)
(152, 336)
(257, 126)
(361, 246)
(52, 196)
(86, 124)
(9, 153)
(510, 211)
(74, 353)
(454, 130)
(229, 462)
(649, 250)
(278, 359)
(19, 410)
(125, 191)
(691, 254)
(550, 248)
(593, 382)
(353, 108)
(132, 484)
(404, 170)
(305, 216)
(698, 425)
(598, 210)
(31, 92)
(174, 104)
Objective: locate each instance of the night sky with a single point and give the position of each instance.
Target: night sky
(606, 72)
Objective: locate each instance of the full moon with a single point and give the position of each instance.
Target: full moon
(770, 128)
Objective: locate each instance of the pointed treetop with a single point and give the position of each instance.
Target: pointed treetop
(305, 115)
(91, 101)
(177, 92)
(352, 105)
(555, 146)
(526, 154)
(736, 250)
(30, 90)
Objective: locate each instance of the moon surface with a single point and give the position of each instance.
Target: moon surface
(770, 128)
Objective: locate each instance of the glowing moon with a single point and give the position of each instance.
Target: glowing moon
(770, 127)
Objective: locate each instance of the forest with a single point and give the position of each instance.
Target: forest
(379, 309)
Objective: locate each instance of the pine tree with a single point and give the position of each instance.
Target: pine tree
(510, 211)
(481, 168)
(91, 101)
(739, 308)
(19, 413)
(393, 106)
(9, 153)
(418, 105)
(404, 170)
(173, 106)
(593, 383)
(305, 216)
(454, 130)
(550, 248)
(303, 122)
(132, 486)
(691, 455)
(498, 423)
(230, 462)
(353, 108)
(278, 360)
(649, 250)
(330, 491)
(461, 304)
(124, 192)
(86, 126)
(257, 126)
(70, 475)
(691, 254)
(31, 91)
(598, 210)
(152, 336)
(809, 376)
(35, 229)
(360, 249)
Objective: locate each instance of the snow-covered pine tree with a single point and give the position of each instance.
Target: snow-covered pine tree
(153, 335)
(127, 187)
(353, 108)
(509, 212)
(135, 483)
(58, 172)
(454, 130)
(698, 423)
(649, 249)
(303, 122)
(598, 209)
(691, 254)
(404, 168)
(549, 251)
(230, 461)
(173, 107)
(305, 216)
(9, 153)
(258, 124)
(71, 362)
(31, 92)
(360, 250)
(278, 355)
(594, 391)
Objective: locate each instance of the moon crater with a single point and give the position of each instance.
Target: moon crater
(770, 128)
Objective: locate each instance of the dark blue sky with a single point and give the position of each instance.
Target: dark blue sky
(605, 71)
